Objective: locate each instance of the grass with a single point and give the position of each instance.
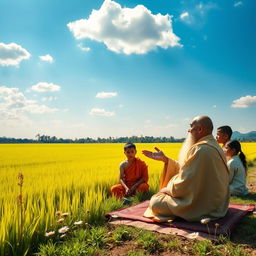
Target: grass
(123, 240)
(130, 241)
(76, 179)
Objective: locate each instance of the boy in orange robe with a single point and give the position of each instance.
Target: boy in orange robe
(133, 174)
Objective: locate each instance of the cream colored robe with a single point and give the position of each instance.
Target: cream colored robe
(198, 189)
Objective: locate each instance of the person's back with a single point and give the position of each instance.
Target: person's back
(237, 167)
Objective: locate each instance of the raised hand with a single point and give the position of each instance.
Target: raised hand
(158, 155)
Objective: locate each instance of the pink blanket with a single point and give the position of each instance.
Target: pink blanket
(134, 214)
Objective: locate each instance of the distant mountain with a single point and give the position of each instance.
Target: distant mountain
(244, 136)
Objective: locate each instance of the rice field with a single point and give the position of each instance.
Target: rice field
(73, 178)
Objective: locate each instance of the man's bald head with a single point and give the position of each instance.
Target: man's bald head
(206, 123)
(201, 126)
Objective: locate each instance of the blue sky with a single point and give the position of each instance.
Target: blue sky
(90, 68)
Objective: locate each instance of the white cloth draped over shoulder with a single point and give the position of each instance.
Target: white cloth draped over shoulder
(237, 184)
(198, 189)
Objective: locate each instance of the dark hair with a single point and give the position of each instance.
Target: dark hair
(226, 129)
(235, 144)
(129, 145)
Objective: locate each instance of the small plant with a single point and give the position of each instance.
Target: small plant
(50, 249)
(64, 230)
(230, 249)
(149, 242)
(174, 244)
(205, 221)
(20, 205)
(97, 237)
(203, 247)
(122, 233)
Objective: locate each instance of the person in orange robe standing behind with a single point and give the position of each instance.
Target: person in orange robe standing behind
(133, 174)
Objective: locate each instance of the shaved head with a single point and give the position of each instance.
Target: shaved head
(205, 122)
(200, 127)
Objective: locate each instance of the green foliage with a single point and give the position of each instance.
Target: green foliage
(149, 242)
(233, 250)
(49, 249)
(123, 233)
(248, 199)
(97, 237)
(135, 139)
(84, 242)
(174, 244)
(202, 248)
(71, 248)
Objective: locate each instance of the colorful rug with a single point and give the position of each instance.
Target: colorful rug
(133, 216)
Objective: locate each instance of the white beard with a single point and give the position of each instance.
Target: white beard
(187, 144)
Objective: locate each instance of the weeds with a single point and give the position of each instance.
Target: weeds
(149, 242)
(123, 233)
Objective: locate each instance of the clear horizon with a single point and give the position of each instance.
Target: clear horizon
(78, 69)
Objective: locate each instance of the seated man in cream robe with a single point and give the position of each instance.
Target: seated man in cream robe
(197, 186)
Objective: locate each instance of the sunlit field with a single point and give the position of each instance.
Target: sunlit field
(73, 178)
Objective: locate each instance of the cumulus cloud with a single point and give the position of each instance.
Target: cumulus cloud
(126, 30)
(104, 95)
(14, 105)
(45, 87)
(12, 54)
(46, 58)
(239, 3)
(101, 112)
(244, 102)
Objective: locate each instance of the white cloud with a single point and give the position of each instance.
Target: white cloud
(126, 30)
(12, 54)
(239, 3)
(47, 58)
(84, 49)
(185, 17)
(244, 102)
(104, 95)
(101, 112)
(14, 105)
(45, 87)
(39, 109)
(50, 98)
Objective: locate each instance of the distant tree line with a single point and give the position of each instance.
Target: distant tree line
(54, 139)
(135, 139)
(246, 139)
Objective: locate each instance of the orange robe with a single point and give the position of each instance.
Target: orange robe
(133, 173)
